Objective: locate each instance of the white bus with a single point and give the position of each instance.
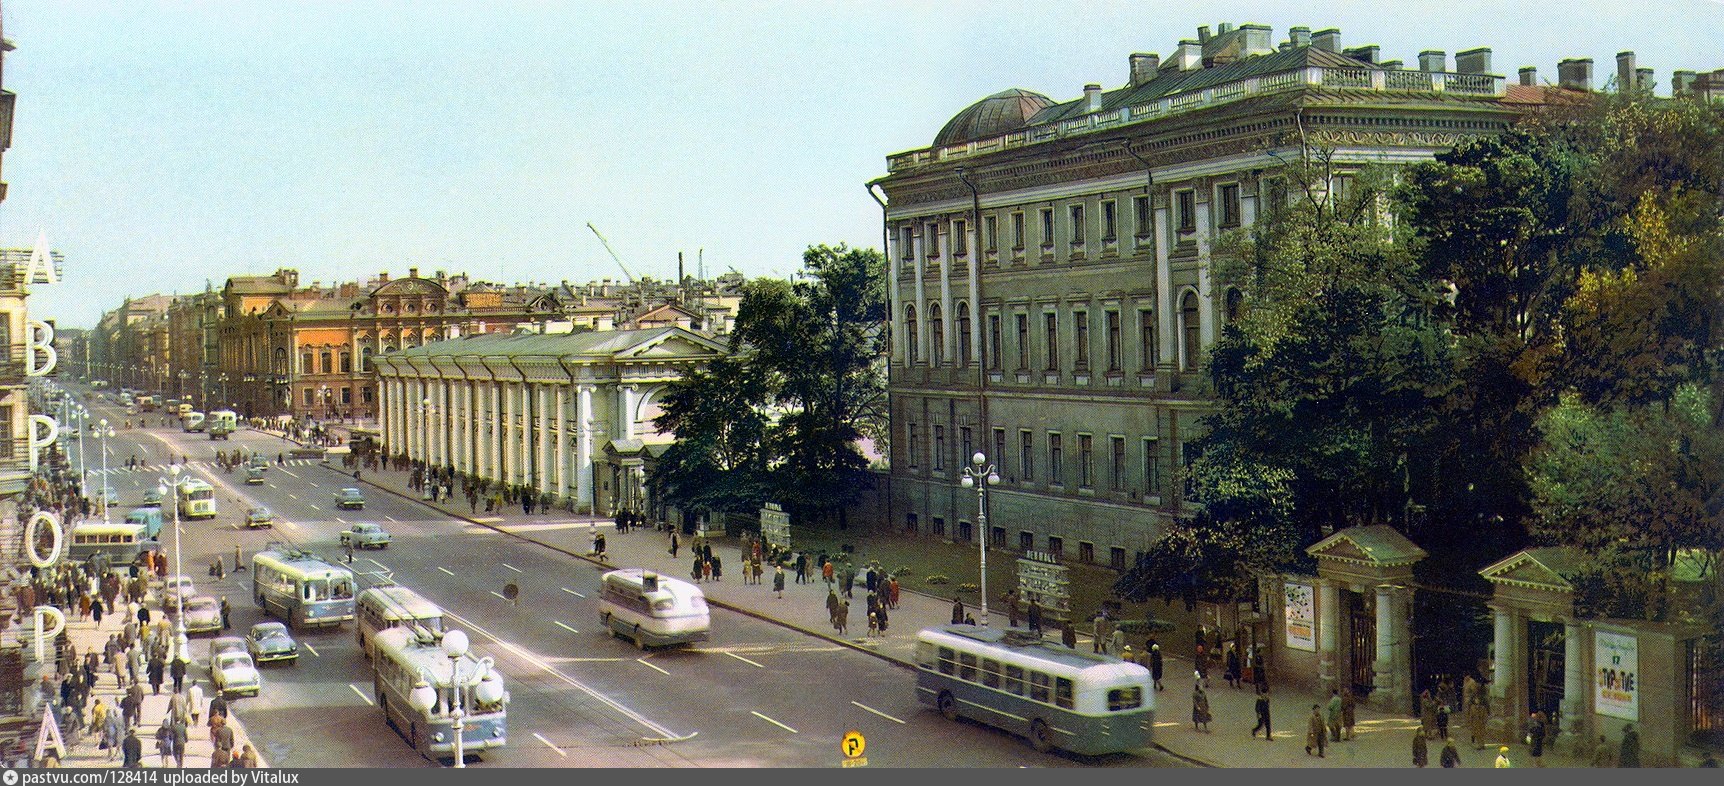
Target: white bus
(1056, 696)
(652, 610)
(406, 656)
(221, 423)
(393, 606)
(192, 421)
(124, 544)
(197, 499)
(301, 589)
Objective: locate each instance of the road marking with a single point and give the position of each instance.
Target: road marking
(565, 627)
(291, 494)
(361, 694)
(642, 661)
(392, 519)
(287, 471)
(340, 520)
(314, 652)
(498, 594)
(876, 712)
(552, 747)
(744, 660)
(574, 593)
(512, 567)
(773, 722)
(378, 564)
(445, 570)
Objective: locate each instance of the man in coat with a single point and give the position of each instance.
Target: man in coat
(957, 611)
(1263, 716)
(133, 750)
(178, 671)
(1316, 735)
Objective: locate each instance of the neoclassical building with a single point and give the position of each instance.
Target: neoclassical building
(570, 415)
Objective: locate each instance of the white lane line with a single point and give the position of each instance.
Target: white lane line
(574, 593)
(287, 471)
(876, 712)
(445, 570)
(642, 661)
(378, 564)
(773, 722)
(549, 745)
(498, 594)
(314, 651)
(512, 567)
(744, 660)
(361, 694)
(565, 627)
(392, 519)
(341, 520)
(291, 494)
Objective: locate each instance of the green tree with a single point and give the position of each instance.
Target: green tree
(718, 462)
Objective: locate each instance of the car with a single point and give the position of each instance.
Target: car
(365, 536)
(203, 614)
(226, 644)
(152, 499)
(234, 672)
(109, 496)
(253, 476)
(174, 586)
(269, 642)
(259, 518)
(349, 498)
(257, 461)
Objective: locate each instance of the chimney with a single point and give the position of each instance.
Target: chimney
(1434, 61)
(1259, 39)
(1681, 82)
(1473, 61)
(1575, 73)
(412, 272)
(1327, 40)
(1366, 53)
(1300, 36)
(1143, 67)
(1624, 72)
(1224, 28)
(1092, 98)
(1392, 65)
(1529, 75)
(1203, 34)
(1189, 56)
(383, 278)
(1286, 46)
(1643, 80)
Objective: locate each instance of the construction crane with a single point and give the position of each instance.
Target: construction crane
(612, 252)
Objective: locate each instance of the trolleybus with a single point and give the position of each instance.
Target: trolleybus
(197, 499)
(393, 606)
(407, 658)
(123, 544)
(653, 610)
(301, 589)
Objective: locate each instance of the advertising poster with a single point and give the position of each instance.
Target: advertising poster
(1301, 617)
(1616, 676)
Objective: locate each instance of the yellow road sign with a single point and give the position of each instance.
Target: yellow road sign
(853, 745)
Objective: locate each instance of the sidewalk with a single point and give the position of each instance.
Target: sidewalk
(1382, 740)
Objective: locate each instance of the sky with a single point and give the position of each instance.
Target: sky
(163, 145)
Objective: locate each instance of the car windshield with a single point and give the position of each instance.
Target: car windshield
(234, 660)
(201, 607)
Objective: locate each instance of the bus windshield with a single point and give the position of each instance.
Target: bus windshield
(198, 494)
(327, 589)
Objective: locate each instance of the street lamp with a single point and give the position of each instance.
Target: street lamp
(81, 417)
(323, 395)
(104, 432)
(488, 691)
(981, 475)
(180, 640)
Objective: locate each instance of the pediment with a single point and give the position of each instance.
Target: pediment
(1528, 569)
(676, 343)
(1378, 545)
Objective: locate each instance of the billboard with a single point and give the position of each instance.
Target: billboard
(1301, 614)
(1616, 675)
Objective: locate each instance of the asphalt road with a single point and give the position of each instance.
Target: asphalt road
(756, 695)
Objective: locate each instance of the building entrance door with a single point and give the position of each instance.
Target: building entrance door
(1545, 664)
(1362, 623)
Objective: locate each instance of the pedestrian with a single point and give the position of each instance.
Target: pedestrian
(1427, 713)
(1476, 720)
(112, 734)
(218, 708)
(247, 758)
(1630, 755)
(892, 585)
(826, 570)
(674, 545)
(1443, 719)
(778, 580)
(1502, 762)
(1012, 608)
(884, 620)
(1202, 661)
(1421, 751)
(1450, 757)
(195, 700)
(1155, 663)
(1200, 716)
(718, 567)
(849, 580)
(957, 611)
(843, 617)
(695, 569)
(1117, 643)
(222, 738)
(1535, 738)
(1262, 708)
(1316, 736)
(158, 671)
(178, 671)
(180, 736)
(1333, 714)
(1068, 635)
(802, 568)
(1233, 665)
(1259, 672)
(226, 614)
(97, 607)
(133, 749)
(1349, 714)
(1099, 631)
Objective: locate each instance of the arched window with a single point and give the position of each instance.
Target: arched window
(963, 334)
(307, 365)
(1191, 331)
(280, 364)
(911, 337)
(936, 336)
(1235, 305)
(365, 359)
(328, 364)
(346, 362)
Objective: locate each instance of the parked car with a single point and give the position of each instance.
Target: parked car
(259, 518)
(152, 499)
(234, 672)
(203, 614)
(349, 498)
(365, 536)
(269, 642)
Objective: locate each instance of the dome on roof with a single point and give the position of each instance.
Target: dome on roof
(997, 114)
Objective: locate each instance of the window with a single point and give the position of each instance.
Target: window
(1086, 460)
(960, 241)
(939, 527)
(1080, 340)
(993, 347)
(1151, 467)
(365, 394)
(1121, 699)
(1277, 193)
(1086, 552)
(1027, 541)
(1047, 227)
(307, 364)
(1039, 687)
(1230, 205)
(1109, 221)
(309, 393)
(939, 447)
(936, 336)
(907, 242)
(1056, 459)
(1056, 546)
(997, 538)
(1063, 692)
(931, 238)
(1140, 208)
(963, 335)
(1148, 351)
(1116, 558)
(1051, 326)
(990, 673)
(1118, 446)
(1077, 227)
(948, 660)
(1026, 455)
(967, 666)
(1023, 342)
(1018, 231)
(1000, 447)
(964, 441)
(1113, 331)
(365, 360)
(1192, 330)
(910, 524)
(991, 234)
(1014, 679)
(328, 362)
(1187, 201)
(910, 442)
(965, 532)
(346, 362)
(911, 339)
(1189, 453)
(346, 395)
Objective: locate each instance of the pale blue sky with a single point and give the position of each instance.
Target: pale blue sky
(164, 144)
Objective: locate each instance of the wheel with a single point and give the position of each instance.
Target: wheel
(640, 643)
(1041, 737)
(948, 706)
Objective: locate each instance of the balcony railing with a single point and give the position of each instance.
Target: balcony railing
(12, 366)
(1477, 85)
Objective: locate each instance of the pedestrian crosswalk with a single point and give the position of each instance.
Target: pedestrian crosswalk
(210, 465)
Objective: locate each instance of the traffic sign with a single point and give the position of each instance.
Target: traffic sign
(853, 745)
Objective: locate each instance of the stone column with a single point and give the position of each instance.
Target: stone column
(562, 418)
(626, 410)
(584, 449)
(1164, 305)
(977, 253)
(1383, 691)
(1205, 287)
(1328, 632)
(1574, 682)
(1505, 719)
(498, 435)
(542, 450)
(922, 329)
(948, 320)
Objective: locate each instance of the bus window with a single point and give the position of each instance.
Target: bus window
(1038, 687)
(924, 654)
(1015, 679)
(1063, 692)
(946, 660)
(1124, 699)
(990, 673)
(341, 589)
(967, 666)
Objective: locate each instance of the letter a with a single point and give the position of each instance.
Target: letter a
(40, 270)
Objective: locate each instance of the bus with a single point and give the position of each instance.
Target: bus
(122, 544)
(405, 656)
(197, 499)
(393, 606)
(1062, 698)
(192, 421)
(301, 589)
(221, 423)
(652, 610)
(148, 518)
(147, 403)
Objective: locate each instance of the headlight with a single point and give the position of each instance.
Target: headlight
(438, 737)
(497, 732)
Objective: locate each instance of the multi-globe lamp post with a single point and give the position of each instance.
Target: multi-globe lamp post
(980, 475)
(104, 432)
(488, 691)
(172, 483)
